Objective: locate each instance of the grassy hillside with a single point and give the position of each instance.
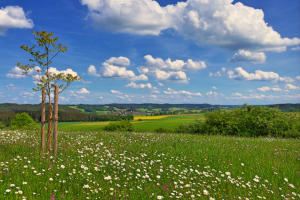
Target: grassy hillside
(142, 123)
(100, 165)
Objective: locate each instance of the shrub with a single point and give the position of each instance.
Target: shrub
(119, 126)
(23, 121)
(247, 121)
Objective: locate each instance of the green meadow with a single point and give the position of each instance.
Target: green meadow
(113, 165)
(168, 123)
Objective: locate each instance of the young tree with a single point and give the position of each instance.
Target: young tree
(47, 78)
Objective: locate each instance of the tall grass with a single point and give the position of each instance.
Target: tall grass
(112, 165)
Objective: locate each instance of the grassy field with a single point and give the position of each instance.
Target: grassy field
(101, 165)
(140, 123)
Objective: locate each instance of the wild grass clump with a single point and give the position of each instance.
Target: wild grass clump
(124, 125)
(247, 121)
(23, 121)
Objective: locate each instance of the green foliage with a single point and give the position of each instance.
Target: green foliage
(123, 125)
(23, 121)
(247, 121)
(42, 54)
(2, 126)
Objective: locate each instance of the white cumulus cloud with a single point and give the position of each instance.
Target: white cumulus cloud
(177, 76)
(248, 56)
(83, 91)
(168, 70)
(139, 86)
(15, 72)
(171, 91)
(130, 16)
(266, 89)
(92, 71)
(116, 68)
(291, 87)
(216, 22)
(13, 17)
(67, 72)
(176, 65)
(240, 74)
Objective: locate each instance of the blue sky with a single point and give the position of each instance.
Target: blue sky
(143, 51)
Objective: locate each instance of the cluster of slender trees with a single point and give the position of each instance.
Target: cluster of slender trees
(48, 81)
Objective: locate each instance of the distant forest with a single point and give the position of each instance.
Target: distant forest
(114, 112)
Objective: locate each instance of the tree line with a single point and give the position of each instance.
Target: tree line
(65, 116)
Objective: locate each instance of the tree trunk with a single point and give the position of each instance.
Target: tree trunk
(55, 120)
(49, 127)
(43, 121)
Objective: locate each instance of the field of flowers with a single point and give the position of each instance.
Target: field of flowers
(100, 165)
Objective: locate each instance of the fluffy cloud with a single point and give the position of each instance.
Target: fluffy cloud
(266, 89)
(16, 72)
(83, 91)
(139, 86)
(298, 78)
(176, 65)
(92, 71)
(240, 74)
(291, 87)
(248, 56)
(13, 17)
(67, 72)
(116, 68)
(119, 61)
(161, 70)
(170, 91)
(168, 70)
(130, 16)
(178, 76)
(216, 22)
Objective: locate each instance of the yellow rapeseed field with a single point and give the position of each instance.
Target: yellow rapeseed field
(150, 117)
